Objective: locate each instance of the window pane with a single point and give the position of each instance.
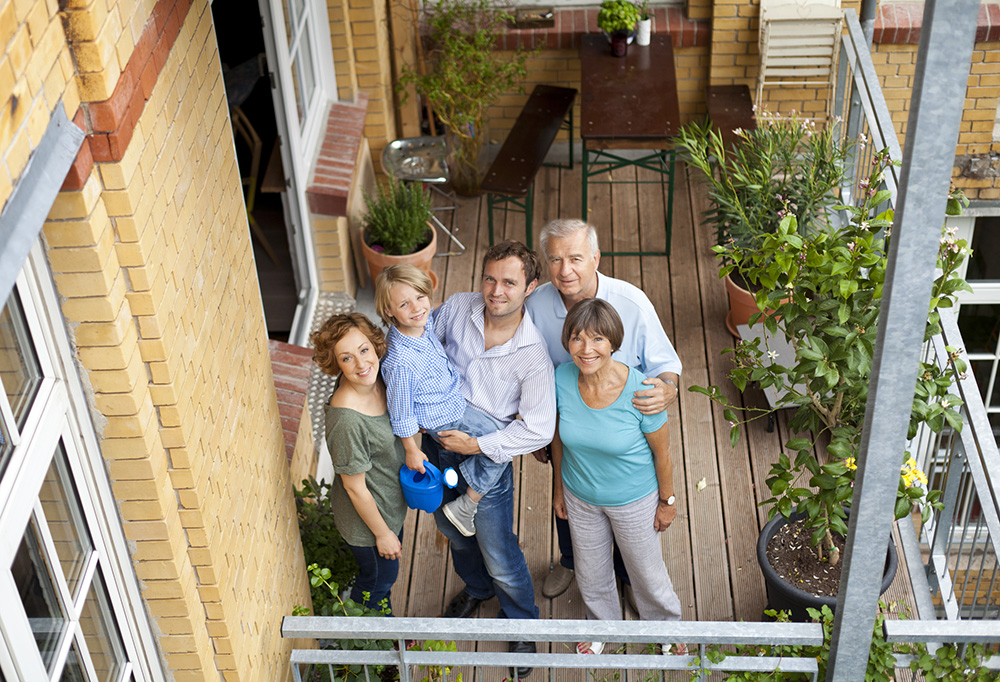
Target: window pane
(107, 652)
(304, 68)
(985, 244)
(33, 578)
(19, 368)
(65, 520)
(980, 327)
(73, 672)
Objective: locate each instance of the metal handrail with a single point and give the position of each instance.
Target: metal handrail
(700, 633)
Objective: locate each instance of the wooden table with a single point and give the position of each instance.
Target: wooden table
(629, 103)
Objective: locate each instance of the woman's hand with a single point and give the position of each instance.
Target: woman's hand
(388, 546)
(559, 502)
(665, 515)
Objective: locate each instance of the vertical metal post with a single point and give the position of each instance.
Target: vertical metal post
(939, 91)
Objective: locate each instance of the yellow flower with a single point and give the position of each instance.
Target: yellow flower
(850, 463)
(911, 473)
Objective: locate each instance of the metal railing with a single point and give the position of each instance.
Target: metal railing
(953, 563)
(637, 635)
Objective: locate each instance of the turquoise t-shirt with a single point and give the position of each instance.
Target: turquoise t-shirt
(606, 459)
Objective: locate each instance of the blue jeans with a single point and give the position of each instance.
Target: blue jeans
(480, 472)
(376, 576)
(490, 562)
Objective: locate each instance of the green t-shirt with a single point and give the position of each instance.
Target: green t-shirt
(362, 444)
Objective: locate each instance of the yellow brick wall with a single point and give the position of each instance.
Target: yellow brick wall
(304, 456)
(36, 72)
(154, 263)
(342, 42)
(896, 65)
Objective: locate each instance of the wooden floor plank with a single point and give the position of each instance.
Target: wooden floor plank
(735, 475)
(625, 225)
(713, 599)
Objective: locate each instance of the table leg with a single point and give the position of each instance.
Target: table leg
(586, 174)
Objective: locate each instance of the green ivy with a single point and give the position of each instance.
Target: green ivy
(321, 541)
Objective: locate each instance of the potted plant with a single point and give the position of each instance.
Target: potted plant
(824, 291)
(786, 166)
(617, 18)
(466, 76)
(644, 27)
(396, 227)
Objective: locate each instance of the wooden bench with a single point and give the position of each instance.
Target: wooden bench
(510, 179)
(730, 109)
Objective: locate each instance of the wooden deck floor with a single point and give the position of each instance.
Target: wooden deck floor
(710, 549)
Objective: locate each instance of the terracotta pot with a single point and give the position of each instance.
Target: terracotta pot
(742, 305)
(783, 596)
(422, 258)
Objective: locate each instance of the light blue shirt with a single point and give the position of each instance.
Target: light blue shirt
(423, 389)
(509, 380)
(645, 346)
(606, 459)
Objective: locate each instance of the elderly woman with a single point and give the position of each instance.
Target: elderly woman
(613, 474)
(368, 505)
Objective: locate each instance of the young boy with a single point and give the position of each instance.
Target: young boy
(424, 390)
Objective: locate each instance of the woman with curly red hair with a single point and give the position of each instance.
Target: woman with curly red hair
(368, 503)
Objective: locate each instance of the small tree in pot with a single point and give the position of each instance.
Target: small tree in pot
(467, 75)
(823, 293)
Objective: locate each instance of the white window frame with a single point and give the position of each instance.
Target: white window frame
(59, 412)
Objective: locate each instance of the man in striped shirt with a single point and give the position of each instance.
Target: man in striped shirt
(507, 373)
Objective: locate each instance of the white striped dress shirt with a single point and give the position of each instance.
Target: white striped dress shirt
(514, 378)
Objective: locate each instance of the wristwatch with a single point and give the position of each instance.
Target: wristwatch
(669, 501)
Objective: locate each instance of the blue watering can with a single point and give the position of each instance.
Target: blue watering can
(424, 491)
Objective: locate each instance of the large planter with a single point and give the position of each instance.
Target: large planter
(377, 260)
(783, 596)
(467, 160)
(742, 305)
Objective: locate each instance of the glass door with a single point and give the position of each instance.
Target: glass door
(300, 63)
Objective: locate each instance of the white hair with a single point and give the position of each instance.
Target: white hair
(565, 227)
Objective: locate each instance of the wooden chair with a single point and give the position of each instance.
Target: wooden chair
(243, 127)
(799, 43)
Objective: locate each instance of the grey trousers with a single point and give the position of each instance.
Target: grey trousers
(593, 529)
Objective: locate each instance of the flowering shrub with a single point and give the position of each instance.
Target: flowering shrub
(824, 293)
(784, 167)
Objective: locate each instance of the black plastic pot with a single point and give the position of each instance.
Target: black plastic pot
(783, 596)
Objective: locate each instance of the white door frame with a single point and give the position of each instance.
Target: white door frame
(299, 143)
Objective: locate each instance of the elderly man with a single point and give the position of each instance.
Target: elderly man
(572, 255)
(507, 372)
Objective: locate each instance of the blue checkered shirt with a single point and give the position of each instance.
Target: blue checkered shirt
(422, 387)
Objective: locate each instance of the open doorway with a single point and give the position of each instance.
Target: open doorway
(244, 65)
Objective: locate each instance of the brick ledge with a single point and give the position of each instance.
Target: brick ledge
(330, 182)
(571, 24)
(900, 23)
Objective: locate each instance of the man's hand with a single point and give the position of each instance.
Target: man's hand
(458, 442)
(541, 455)
(655, 399)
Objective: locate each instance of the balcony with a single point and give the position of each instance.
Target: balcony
(948, 578)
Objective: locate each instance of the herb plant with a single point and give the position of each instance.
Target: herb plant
(396, 218)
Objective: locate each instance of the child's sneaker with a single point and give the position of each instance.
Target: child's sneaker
(462, 513)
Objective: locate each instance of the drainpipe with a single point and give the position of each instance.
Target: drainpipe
(869, 8)
(939, 91)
